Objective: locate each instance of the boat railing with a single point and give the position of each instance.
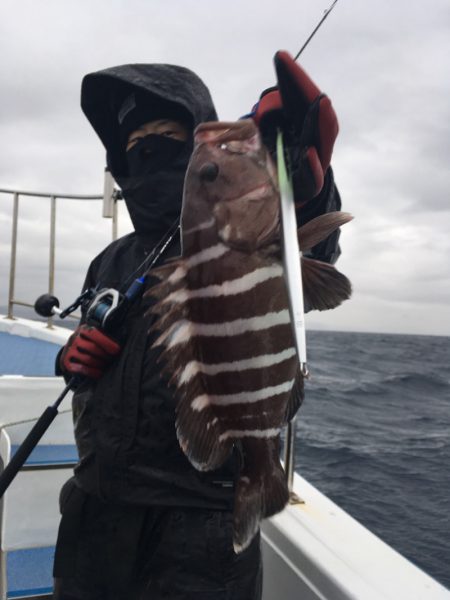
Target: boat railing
(109, 197)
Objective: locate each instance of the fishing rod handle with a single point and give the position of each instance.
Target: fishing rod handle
(26, 448)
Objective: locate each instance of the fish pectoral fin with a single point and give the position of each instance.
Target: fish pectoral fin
(324, 287)
(296, 398)
(261, 490)
(320, 228)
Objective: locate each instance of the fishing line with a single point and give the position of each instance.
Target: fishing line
(155, 254)
(325, 15)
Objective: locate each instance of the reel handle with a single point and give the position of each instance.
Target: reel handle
(47, 305)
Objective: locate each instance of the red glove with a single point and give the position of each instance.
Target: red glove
(88, 352)
(308, 121)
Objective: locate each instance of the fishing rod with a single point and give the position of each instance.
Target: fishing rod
(325, 15)
(292, 253)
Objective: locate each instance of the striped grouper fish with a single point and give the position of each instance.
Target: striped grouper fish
(223, 317)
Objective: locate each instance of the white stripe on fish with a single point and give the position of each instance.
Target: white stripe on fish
(255, 433)
(200, 226)
(229, 288)
(183, 330)
(203, 256)
(256, 362)
(201, 402)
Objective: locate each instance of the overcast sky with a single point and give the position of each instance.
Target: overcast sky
(384, 65)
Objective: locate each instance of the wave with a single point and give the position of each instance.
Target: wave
(380, 384)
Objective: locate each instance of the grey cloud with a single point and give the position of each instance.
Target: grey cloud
(383, 65)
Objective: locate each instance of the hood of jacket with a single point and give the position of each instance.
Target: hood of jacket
(103, 93)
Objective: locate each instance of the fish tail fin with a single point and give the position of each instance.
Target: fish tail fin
(324, 287)
(320, 228)
(261, 490)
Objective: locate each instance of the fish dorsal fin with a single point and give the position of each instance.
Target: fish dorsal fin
(320, 228)
(170, 275)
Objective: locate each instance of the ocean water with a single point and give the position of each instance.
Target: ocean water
(374, 435)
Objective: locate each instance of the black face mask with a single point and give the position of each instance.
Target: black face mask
(153, 191)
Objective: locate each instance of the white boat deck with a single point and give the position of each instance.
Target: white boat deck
(311, 551)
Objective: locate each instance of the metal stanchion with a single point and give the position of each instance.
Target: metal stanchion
(51, 264)
(12, 268)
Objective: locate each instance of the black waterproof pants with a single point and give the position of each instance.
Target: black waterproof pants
(111, 552)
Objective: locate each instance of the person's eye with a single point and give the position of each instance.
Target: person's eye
(169, 132)
(134, 139)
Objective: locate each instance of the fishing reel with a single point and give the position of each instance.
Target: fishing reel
(107, 307)
(103, 308)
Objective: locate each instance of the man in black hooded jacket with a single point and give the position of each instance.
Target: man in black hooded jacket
(138, 520)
